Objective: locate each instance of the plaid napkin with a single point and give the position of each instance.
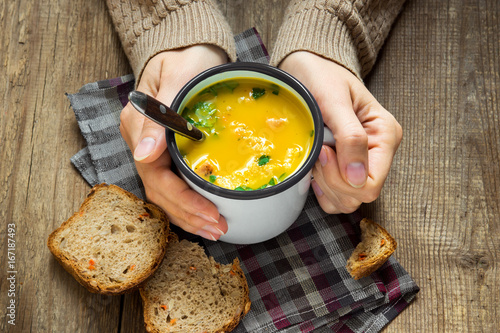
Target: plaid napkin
(298, 280)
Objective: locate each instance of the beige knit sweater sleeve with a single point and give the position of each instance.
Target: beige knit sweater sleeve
(148, 27)
(349, 32)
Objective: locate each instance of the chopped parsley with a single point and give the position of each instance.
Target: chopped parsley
(243, 188)
(273, 181)
(276, 89)
(258, 92)
(263, 160)
(205, 112)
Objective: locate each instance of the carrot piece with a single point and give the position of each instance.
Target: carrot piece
(91, 262)
(382, 242)
(362, 256)
(172, 321)
(163, 306)
(132, 267)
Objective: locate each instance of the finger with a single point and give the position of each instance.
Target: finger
(130, 125)
(384, 132)
(334, 204)
(201, 222)
(351, 140)
(333, 194)
(185, 207)
(383, 148)
(199, 227)
(151, 142)
(152, 139)
(325, 203)
(385, 136)
(329, 179)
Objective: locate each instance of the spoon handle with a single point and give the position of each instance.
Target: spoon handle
(164, 115)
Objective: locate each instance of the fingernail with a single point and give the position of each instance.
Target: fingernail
(356, 174)
(144, 148)
(323, 158)
(206, 235)
(213, 229)
(207, 218)
(316, 189)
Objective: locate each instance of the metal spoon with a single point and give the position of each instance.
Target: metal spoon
(164, 116)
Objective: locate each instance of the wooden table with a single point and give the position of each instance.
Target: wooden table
(438, 73)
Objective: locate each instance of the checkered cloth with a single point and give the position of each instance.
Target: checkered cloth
(298, 281)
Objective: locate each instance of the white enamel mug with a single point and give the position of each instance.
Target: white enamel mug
(259, 215)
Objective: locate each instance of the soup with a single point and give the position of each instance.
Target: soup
(257, 134)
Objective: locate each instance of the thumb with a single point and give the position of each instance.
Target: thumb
(352, 154)
(152, 142)
(351, 142)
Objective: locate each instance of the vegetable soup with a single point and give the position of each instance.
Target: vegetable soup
(257, 134)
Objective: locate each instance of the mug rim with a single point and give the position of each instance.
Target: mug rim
(290, 181)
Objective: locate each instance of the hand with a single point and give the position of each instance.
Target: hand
(367, 136)
(163, 77)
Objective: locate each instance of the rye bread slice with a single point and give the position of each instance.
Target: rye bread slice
(191, 292)
(376, 246)
(113, 243)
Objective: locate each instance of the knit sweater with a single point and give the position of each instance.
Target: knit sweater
(350, 33)
(148, 27)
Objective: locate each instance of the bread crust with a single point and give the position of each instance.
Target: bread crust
(359, 268)
(70, 264)
(246, 303)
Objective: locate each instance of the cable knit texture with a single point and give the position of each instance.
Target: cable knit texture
(148, 27)
(350, 33)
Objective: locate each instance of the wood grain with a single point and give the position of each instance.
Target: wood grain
(438, 74)
(52, 47)
(439, 77)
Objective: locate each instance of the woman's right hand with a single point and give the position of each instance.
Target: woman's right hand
(163, 77)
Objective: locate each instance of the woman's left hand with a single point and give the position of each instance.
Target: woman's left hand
(367, 135)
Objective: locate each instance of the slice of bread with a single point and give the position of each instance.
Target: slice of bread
(376, 246)
(113, 243)
(190, 292)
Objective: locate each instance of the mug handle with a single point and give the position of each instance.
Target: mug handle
(328, 138)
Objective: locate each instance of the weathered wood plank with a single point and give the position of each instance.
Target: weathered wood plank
(439, 76)
(52, 47)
